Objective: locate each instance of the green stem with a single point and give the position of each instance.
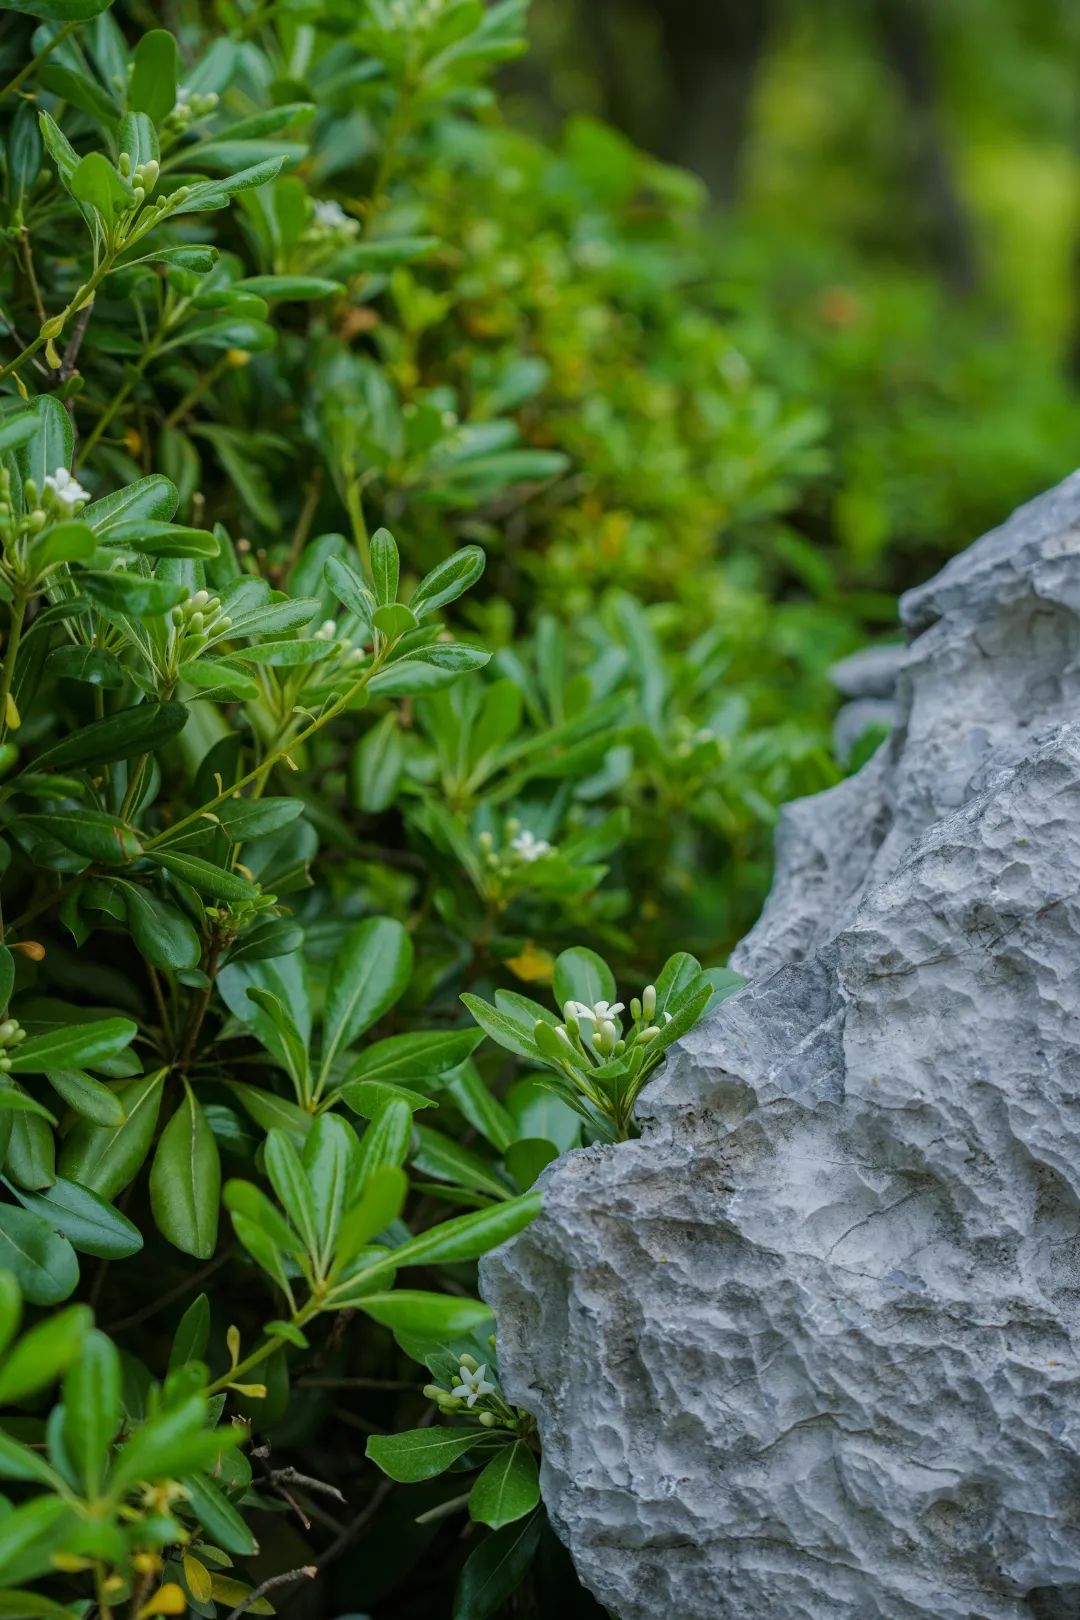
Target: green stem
(120, 397)
(83, 296)
(36, 61)
(7, 674)
(267, 1348)
(263, 770)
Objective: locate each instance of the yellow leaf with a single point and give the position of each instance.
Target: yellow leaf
(533, 965)
(168, 1599)
(198, 1578)
(13, 719)
(226, 1590)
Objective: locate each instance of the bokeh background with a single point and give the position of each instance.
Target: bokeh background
(894, 193)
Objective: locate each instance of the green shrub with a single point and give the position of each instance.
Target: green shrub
(276, 795)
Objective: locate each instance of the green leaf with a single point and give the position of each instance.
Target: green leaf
(449, 655)
(192, 1334)
(581, 975)
(369, 973)
(419, 1057)
(380, 1204)
(294, 1191)
(73, 1046)
(105, 1158)
(327, 1161)
(440, 1156)
(350, 588)
(271, 1111)
(385, 565)
(18, 1102)
(121, 736)
(87, 1096)
(394, 620)
(448, 581)
(85, 1219)
(218, 1517)
(527, 1157)
(386, 1140)
(136, 595)
(377, 766)
(153, 499)
(43, 1354)
(418, 1454)
(152, 84)
(10, 1310)
(508, 1488)
(370, 1097)
(30, 1534)
(185, 1181)
(210, 194)
(175, 1442)
(92, 1409)
(502, 1029)
(204, 875)
(96, 182)
(16, 428)
(62, 543)
(43, 1262)
(160, 929)
(60, 11)
(51, 446)
(435, 1317)
(468, 1236)
(290, 287)
(92, 833)
(496, 1568)
(152, 538)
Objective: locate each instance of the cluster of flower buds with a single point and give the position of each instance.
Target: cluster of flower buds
(61, 496)
(11, 1033)
(197, 619)
(349, 653)
(473, 1389)
(698, 744)
(520, 847)
(143, 177)
(595, 1031)
(190, 106)
(232, 920)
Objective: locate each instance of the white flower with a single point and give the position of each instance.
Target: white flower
(529, 847)
(326, 630)
(66, 491)
(473, 1385)
(601, 1012)
(183, 95)
(330, 215)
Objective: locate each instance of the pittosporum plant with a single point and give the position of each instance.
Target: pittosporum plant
(276, 793)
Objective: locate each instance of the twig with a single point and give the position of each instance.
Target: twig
(78, 332)
(178, 1292)
(306, 1572)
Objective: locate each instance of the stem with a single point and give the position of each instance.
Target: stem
(7, 674)
(84, 295)
(36, 61)
(120, 397)
(268, 764)
(195, 392)
(31, 274)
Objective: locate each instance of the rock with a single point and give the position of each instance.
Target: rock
(808, 1349)
(858, 718)
(871, 673)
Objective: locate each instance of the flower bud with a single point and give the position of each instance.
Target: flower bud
(465, 1360)
(432, 1391)
(489, 1420)
(648, 1001)
(52, 328)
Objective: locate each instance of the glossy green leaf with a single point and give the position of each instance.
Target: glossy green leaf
(507, 1489)
(105, 1158)
(44, 1353)
(92, 1408)
(43, 1262)
(73, 1047)
(85, 1219)
(495, 1569)
(152, 85)
(121, 736)
(369, 973)
(418, 1454)
(185, 1180)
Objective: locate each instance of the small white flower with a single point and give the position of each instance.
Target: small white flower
(65, 490)
(473, 1385)
(326, 630)
(608, 1009)
(529, 847)
(329, 214)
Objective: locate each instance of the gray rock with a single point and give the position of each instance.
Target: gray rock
(858, 717)
(871, 673)
(808, 1349)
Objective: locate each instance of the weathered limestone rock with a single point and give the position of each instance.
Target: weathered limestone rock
(809, 1348)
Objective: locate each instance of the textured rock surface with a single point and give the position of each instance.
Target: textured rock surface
(809, 1348)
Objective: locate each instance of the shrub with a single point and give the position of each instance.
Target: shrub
(277, 793)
